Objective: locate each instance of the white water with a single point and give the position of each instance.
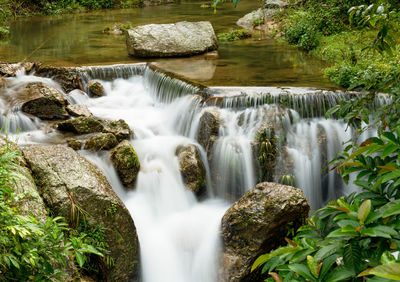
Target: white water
(179, 236)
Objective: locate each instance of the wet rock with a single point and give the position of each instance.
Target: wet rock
(126, 163)
(192, 168)
(209, 129)
(119, 128)
(77, 110)
(74, 144)
(81, 125)
(95, 88)
(7, 69)
(171, 40)
(66, 181)
(102, 141)
(43, 101)
(31, 202)
(256, 224)
(68, 78)
(255, 18)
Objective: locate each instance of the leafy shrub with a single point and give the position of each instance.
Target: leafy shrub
(33, 249)
(233, 35)
(4, 32)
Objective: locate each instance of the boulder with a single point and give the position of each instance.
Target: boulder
(255, 18)
(31, 202)
(102, 141)
(70, 184)
(77, 110)
(74, 144)
(95, 88)
(68, 78)
(119, 128)
(257, 223)
(126, 163)
(171, 40)
(276, 4)
(192, 168)
(43, 101)
(81, 125)
(209, 129)
(7, 69)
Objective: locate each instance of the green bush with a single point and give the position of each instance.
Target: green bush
(33, 249)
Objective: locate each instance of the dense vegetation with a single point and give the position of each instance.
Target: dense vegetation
(356, 237)
(39, 249)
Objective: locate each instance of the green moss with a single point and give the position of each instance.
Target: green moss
(234, 35)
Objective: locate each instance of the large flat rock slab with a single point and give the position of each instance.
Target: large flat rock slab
(171, 40)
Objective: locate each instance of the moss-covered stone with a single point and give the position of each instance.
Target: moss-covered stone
(126, 163)
(257, 223)
(95, 88)
(74, 144)
(119, 128)
(192, 168)
(43, 101)
(81, 125)
(102, 141)
(70, 184)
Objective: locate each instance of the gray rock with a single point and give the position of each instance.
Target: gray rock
(102, 141)
(257, 223)
(126, 163)
(192, 168)
(66, 181)
(43, 101)
(171, 40)
(81, 125)
(78, 110)
(7, 69)
(276, 4)
(95, 88)
(119, 128)
(68, 78)
(254, 18)
(209, 129)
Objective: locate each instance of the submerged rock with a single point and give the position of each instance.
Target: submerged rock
(126, 163)
(119, 128)
(192, 168)
(256, 224)
(81, 125)
(77, 110)
(209, 129)
(70, 184)
(95, 88)
(171, 40)
(102, 141)
(43, 101)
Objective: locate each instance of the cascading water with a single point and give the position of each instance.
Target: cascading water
(179, 236)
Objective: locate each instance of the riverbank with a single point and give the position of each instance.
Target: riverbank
(362, 50)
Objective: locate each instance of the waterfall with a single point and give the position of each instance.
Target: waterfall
(179, 234)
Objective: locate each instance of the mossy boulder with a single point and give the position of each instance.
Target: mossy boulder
(43, 101)
(102, 141)
(68, 78)
(210, 122)
(81, 125)
(69, 184)
(126, 163)
(95, 88)
(119, 128)
(192, 168)
(257, 223)
(77, 110)
(74, 144)
(7, 69)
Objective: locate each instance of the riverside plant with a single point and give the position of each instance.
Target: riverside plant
(31, 248)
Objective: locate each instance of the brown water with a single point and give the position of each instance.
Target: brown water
(77, 39)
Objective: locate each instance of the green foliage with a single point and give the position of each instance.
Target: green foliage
(234, 35)
(267, 155)
(31, 248)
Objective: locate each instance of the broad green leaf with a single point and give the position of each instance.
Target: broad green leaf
(80, 258)
(379, 231)
(388, 150)
(364, 211)
(391, 208)
(340, 273)
(302, 270)
(389, 271)
(327, 265)
(389, 137)
(328, 250)
(312, 264)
